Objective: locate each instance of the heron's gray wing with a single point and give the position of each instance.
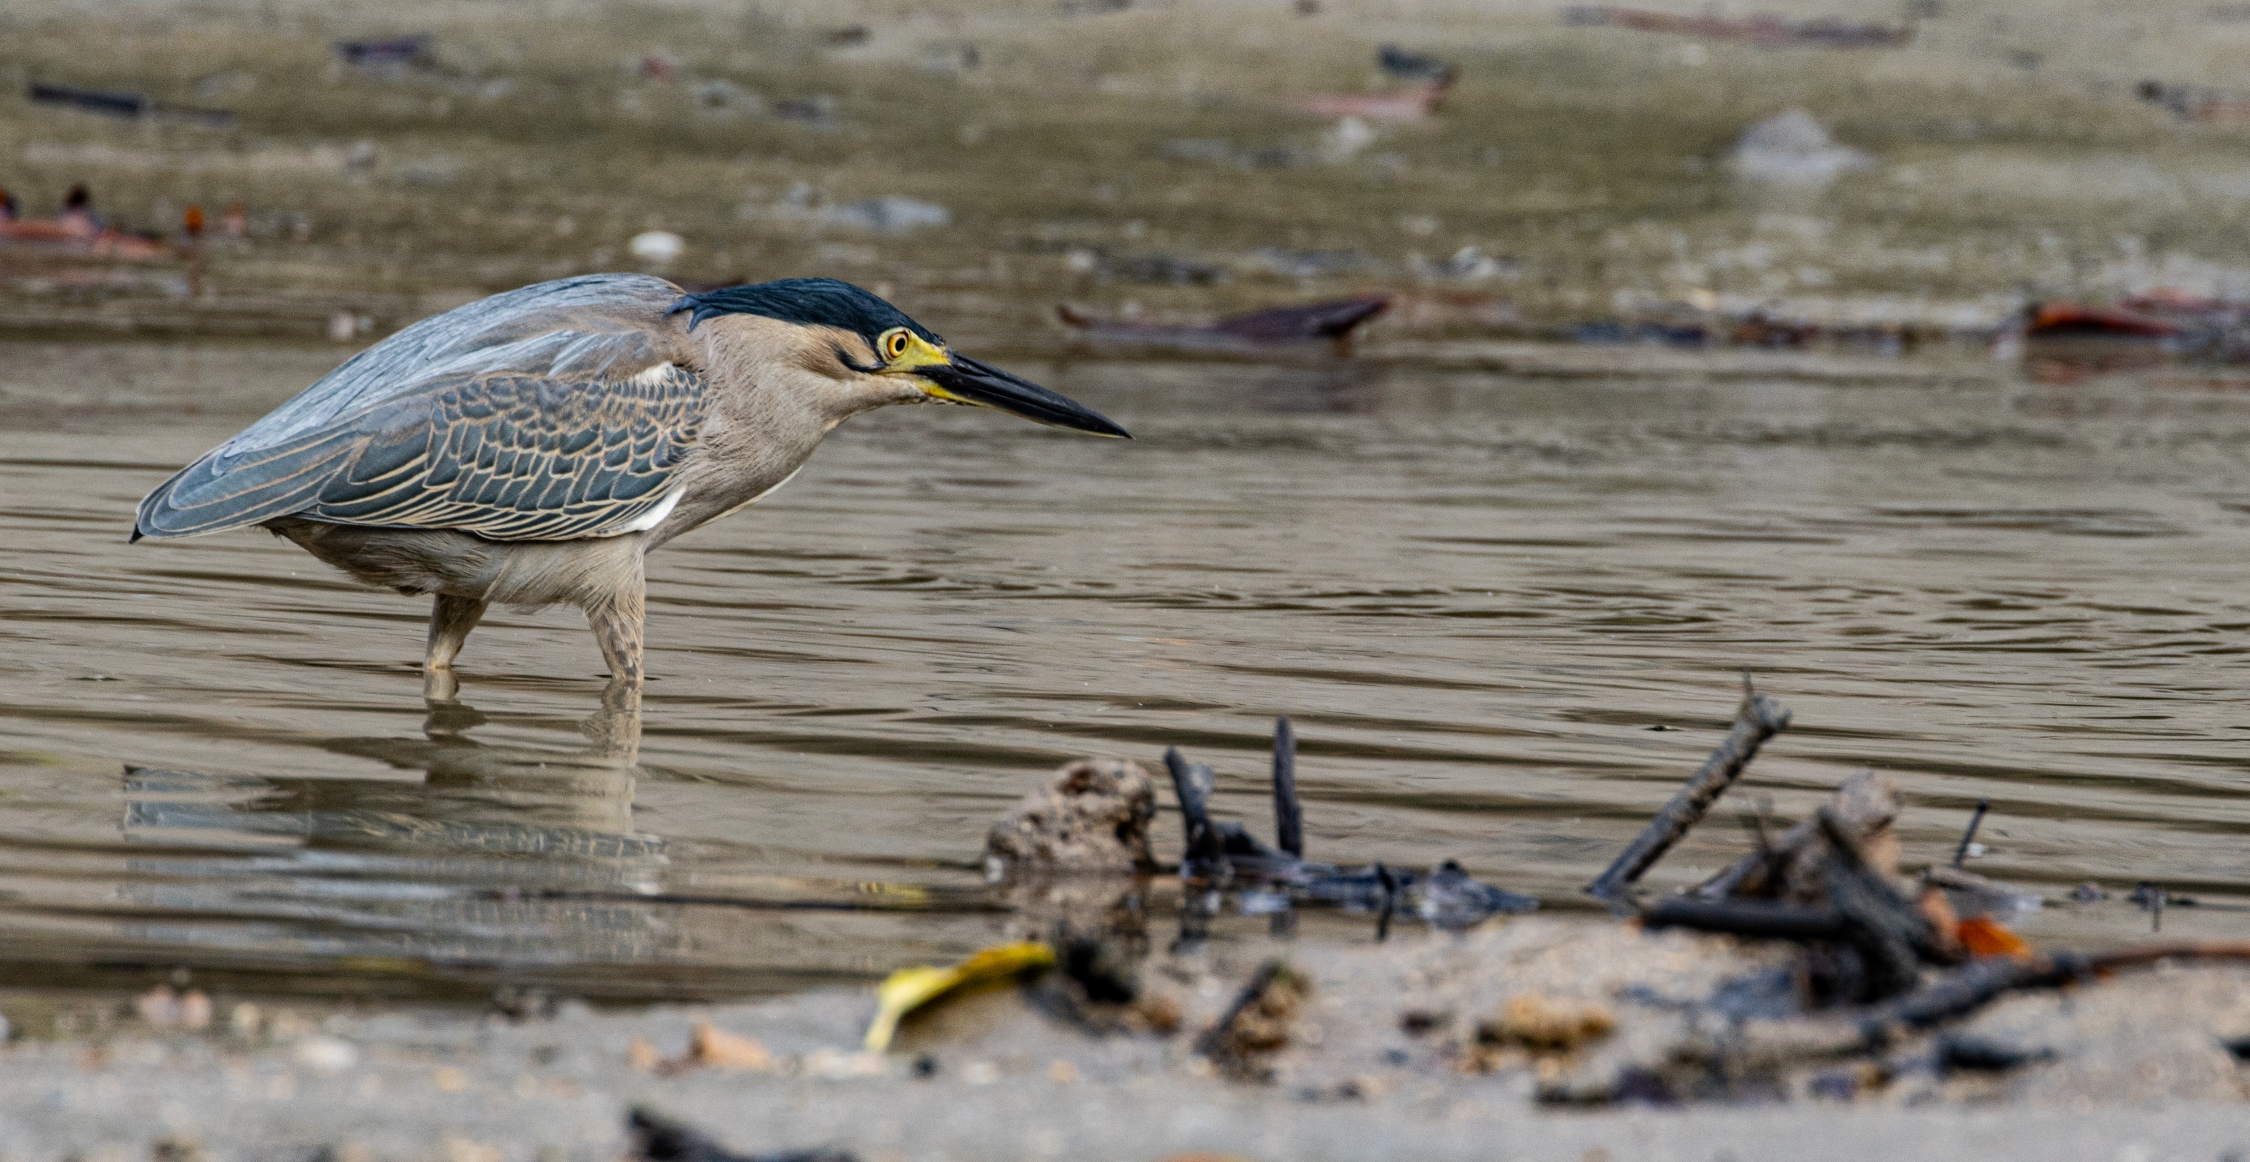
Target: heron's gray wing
(552, 412)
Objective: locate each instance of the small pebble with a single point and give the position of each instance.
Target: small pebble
(159, 1006)
(326, 1054)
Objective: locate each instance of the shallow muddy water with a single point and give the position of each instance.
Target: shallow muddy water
(1475, 593)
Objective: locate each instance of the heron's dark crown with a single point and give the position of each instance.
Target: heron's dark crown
(813, 301)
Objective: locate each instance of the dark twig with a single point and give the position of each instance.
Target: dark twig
(1288, 814)
(1759, 719)
(1390, 902)
(1759, 872)
(1969, 837)
(1960, 993)
(1760, 920)
(1772, 861)
(1888, 936)
(1882, 926)
(1225, 854)
(1945, 998)
(1984, 979)
(1760, 822)
(1243, 855)
(656, 1138)
(1865, 802)
(1213, 1041)
(1205, 856)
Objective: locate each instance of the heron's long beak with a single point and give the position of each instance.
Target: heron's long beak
(961, 379)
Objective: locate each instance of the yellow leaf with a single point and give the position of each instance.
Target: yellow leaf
(909, 989)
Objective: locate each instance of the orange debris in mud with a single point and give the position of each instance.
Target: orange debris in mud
(1984, 936)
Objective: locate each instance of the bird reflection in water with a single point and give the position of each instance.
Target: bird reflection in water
(516, 798)
(480, 852)
(479, 861)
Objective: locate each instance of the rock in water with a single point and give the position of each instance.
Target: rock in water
(1793, 149)
(1093, 816)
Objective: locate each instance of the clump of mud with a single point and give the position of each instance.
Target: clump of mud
(1092, 817)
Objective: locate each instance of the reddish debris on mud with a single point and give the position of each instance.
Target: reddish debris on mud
(2061, 319)
(1405, 105)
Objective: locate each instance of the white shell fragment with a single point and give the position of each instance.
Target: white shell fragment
(657, 246)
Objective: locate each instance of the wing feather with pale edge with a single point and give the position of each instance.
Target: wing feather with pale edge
(557, 411)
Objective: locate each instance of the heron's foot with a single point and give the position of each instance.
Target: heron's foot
(439, 684)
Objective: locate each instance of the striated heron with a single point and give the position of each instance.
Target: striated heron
(531, 448)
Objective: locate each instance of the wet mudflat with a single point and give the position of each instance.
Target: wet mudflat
(1475, 593)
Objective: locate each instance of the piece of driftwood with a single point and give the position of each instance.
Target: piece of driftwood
(1759, 719)
(1867, 941)
(397, 50)
(1331, 322)
(1889, 938)
(1866, 803)
(1217, 851)
(1765, 31)
(1735, 1048)
(1412, 66)
(1984, 980)
(133, 106)
(1224, 854)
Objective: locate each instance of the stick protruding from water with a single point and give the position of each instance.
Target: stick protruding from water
(1288, 814)
(1759, 719)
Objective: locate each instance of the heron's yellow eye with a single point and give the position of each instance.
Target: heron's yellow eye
(894, 343)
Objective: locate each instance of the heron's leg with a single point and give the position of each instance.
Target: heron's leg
(450, 622)
(616, 621)
(451, 619)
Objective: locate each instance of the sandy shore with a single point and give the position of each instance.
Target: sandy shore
(1400, 1051)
